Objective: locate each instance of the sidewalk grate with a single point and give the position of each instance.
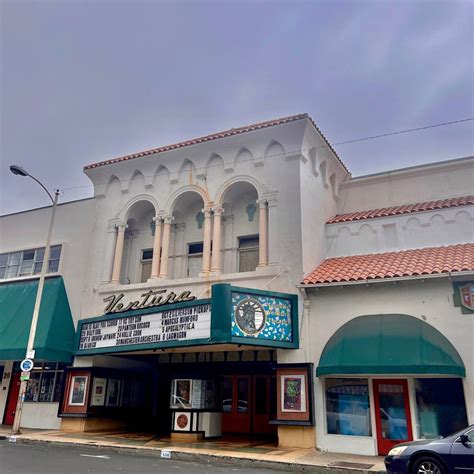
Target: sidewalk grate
(354, 465)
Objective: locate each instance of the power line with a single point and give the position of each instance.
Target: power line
(372, 137)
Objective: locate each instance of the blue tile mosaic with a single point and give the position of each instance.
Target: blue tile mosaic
(276, 323)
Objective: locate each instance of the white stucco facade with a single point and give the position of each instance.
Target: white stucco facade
(277, 185)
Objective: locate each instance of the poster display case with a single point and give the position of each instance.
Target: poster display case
(294, 395)
(193, 404)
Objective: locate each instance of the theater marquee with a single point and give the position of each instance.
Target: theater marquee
(241, 316)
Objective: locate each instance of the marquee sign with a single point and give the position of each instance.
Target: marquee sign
(181, 324)
(233, 315)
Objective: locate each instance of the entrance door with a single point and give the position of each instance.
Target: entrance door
(392, 413)
(12, 399)
(264, 404)
(236, 404)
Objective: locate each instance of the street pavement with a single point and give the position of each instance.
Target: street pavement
(50, 459)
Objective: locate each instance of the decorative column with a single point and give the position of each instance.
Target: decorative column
(216, 265)
(155, 263)
(165, 247)
(206, 250)
(109, 253)
(179, 257)
(272, 229)
(118, 253)
(229, 252)
(262, 233)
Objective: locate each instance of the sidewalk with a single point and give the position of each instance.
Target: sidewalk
(254, 453)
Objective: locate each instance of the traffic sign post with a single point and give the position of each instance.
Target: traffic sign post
(26, 365)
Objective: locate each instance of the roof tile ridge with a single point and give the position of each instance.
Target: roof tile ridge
(201, 139)
(414, 207)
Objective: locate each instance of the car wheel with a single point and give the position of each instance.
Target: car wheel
(428, 465)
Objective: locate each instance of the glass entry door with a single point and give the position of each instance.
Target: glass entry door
(248, 404)
(236, 404)
(392, 413)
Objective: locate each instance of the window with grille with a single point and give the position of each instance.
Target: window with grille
(248, 253)
(28, 262)
(147, 257)
(195, 252)
(45, 382)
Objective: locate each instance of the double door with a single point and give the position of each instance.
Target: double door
(248, 404)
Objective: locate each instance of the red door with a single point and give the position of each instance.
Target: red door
(264, 404)
(392, 413)
(12, 399)
(236, 408)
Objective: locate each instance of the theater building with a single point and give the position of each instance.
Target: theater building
(213, 290)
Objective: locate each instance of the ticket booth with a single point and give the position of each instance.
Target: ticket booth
(195, 410)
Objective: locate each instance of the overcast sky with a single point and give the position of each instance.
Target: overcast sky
(83, 81)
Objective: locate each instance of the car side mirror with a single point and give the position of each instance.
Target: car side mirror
(464, 438)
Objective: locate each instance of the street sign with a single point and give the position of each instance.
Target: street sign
(30, 354)
(26, 365)
(25, 376)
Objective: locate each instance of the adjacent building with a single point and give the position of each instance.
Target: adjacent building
(244, 282)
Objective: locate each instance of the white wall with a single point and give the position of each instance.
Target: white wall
(406, 231)
(41, 415)
(431, 301)
(5, 386)
(73, 229)
(422, 183)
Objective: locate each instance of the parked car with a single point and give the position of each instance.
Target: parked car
(451, 455)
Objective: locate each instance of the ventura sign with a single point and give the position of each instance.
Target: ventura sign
(149, 299)
(161, 320)
(182, 324)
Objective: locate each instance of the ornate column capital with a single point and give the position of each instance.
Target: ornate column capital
(121, 227)
(262, 202)
(158, 219)
(168, 219)
(207, 211)
(218, 210)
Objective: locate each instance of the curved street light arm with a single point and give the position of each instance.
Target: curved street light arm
(41, 184)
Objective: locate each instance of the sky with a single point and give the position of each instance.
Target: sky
(84, 81)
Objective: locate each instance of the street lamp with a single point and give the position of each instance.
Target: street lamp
(19, 171)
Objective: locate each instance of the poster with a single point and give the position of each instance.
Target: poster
(113, 392)
(98, 391)
(78, 390)
(181, 393)
(293, 393)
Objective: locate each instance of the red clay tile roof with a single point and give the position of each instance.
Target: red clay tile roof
(403, 209)
(216, 136)
(406, 263)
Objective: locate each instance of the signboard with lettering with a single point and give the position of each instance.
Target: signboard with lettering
(181, 324)
(231, 316)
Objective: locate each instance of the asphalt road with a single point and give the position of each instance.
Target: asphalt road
(39, 459)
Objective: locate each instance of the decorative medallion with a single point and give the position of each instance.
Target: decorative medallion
(182, 421)
(250, 316)
(467, 296)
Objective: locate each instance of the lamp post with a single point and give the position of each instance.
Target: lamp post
(19, 171)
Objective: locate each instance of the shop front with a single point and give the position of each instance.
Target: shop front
(184, 366)
(386, 379)
(53, 347)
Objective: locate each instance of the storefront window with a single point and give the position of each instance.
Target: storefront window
(45, 383)
(441, 407)
(347, 407)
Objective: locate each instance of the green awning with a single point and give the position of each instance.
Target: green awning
(55, 331)
(389, 344)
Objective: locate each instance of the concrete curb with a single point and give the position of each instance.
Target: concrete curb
(197, 457)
